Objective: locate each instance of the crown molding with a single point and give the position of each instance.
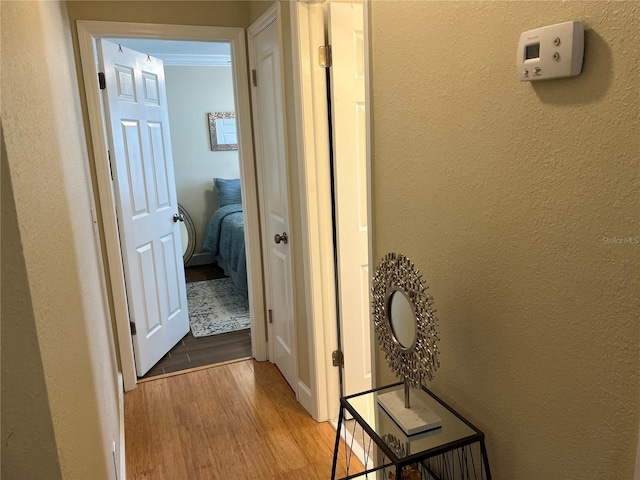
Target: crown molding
(193, 60)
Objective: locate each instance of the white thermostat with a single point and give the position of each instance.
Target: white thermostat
(551, 52)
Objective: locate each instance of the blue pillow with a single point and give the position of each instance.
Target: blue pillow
(228, 191)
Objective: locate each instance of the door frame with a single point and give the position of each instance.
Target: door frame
(273, 16)
(311, 113)
(88, 32)
(354, 314)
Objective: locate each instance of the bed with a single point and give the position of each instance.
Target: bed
(225, 233)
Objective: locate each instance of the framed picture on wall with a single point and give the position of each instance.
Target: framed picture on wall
(223, 131)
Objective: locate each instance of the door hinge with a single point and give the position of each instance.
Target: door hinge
(110, 167)
(254, 77)
(337, 357)
(270, 316)
(324, 53)
(102, 81)
(132, 326)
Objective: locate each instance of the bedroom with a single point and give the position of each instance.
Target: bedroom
(199, 81)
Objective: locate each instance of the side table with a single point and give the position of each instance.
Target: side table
(454, 451)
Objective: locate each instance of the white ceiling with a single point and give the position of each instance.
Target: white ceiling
(178, 52)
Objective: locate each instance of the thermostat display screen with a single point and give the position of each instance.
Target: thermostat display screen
(532, 51)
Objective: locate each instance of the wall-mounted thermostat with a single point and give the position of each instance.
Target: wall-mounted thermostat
(551, 52)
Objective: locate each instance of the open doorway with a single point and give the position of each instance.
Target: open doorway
(197, 79)
(199, 87)
(92, 33)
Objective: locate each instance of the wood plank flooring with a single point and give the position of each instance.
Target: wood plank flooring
(200, 273)
(193, 352)
(237, 421)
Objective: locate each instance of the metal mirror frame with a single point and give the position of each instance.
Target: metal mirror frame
(418, 363)
(191, 234)
(213, 135)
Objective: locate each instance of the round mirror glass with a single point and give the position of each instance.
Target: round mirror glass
(187, 235)
(184, 236)
(402, 319)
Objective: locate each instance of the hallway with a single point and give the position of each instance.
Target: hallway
(238, 421)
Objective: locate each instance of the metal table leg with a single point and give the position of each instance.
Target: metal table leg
(485, 459)
(337, 446)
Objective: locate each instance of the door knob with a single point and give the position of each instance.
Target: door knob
(178, 217)
(284, 238)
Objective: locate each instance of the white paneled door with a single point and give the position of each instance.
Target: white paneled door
(135, 104)
(269, 130)
(346, 37)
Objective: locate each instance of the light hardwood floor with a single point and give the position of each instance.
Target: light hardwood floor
(236, 421)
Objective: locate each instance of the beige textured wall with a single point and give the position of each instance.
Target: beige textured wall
(502, 192)
(26, 418)
(192, 92)
(48, 167)
(217, 13)
(257, 8)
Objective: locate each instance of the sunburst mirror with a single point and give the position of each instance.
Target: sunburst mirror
(407, 331)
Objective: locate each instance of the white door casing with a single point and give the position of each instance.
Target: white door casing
(89, 32)
(316, 212)
(349, 118)
(145, 195)
(270, 147)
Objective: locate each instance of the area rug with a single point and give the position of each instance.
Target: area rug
(216, 307)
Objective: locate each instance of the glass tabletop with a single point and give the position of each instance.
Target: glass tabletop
(400, 447)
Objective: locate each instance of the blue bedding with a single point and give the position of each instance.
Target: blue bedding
(225, 239)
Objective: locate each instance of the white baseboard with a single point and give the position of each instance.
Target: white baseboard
(122, 465)
(201, 259)
(304, 397)
(356, 448)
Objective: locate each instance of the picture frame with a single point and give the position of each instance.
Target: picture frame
(223, 131)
